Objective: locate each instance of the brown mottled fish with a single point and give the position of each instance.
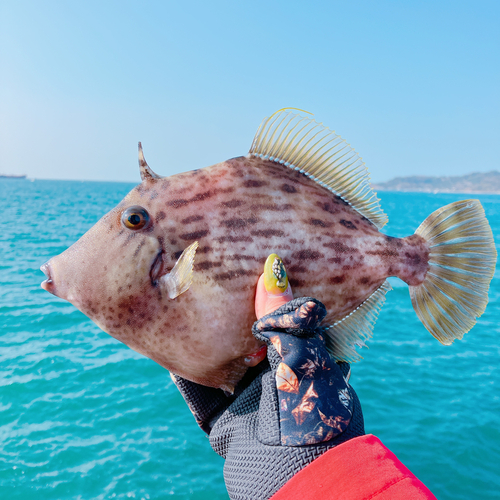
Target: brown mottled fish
(171, 271)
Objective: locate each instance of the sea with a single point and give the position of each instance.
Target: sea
(84, 417)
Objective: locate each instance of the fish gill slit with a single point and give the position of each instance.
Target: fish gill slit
(156, 268)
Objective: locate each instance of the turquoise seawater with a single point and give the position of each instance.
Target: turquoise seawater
(84, 417)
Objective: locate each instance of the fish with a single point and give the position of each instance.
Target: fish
(171, 270)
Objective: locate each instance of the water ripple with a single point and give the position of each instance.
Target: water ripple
(84, 417)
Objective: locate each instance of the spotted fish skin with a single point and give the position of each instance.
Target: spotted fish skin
(246, 208)
(239, 211)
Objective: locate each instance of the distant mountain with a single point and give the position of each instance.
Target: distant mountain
(479, 182)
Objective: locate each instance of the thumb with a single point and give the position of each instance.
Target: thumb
(269, 295)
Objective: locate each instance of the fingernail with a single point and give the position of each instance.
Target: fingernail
(255, 358)
(275, 276)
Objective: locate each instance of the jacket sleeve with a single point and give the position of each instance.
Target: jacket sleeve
(359, 469)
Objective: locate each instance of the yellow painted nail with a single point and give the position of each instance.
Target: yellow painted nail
(275, 276)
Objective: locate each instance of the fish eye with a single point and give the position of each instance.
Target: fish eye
(135, 217)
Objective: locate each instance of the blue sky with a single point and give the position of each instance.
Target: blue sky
(414, 86)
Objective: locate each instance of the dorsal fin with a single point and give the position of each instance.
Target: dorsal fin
(146, 171)
(305, 145)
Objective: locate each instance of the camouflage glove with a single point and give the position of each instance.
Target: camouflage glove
(285, 412)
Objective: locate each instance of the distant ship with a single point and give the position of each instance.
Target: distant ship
(12, 176)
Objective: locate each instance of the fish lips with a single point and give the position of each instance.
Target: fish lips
(48, 284)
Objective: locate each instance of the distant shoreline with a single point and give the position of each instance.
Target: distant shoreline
(475, 183)
(383, 190)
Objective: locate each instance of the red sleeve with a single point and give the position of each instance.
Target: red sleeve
(359, 469)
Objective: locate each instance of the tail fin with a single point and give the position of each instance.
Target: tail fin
(462, 262)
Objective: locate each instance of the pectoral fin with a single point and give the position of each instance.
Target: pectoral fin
(179, 279)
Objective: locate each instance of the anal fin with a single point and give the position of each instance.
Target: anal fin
(342, 337)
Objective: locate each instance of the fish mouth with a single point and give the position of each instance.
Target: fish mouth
(156, 268)
(48, 284)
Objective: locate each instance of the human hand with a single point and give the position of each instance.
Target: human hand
(293, 404)
(277, 292)
(315, 404)
(273, 291)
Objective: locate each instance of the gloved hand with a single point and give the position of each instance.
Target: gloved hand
(287, 410)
